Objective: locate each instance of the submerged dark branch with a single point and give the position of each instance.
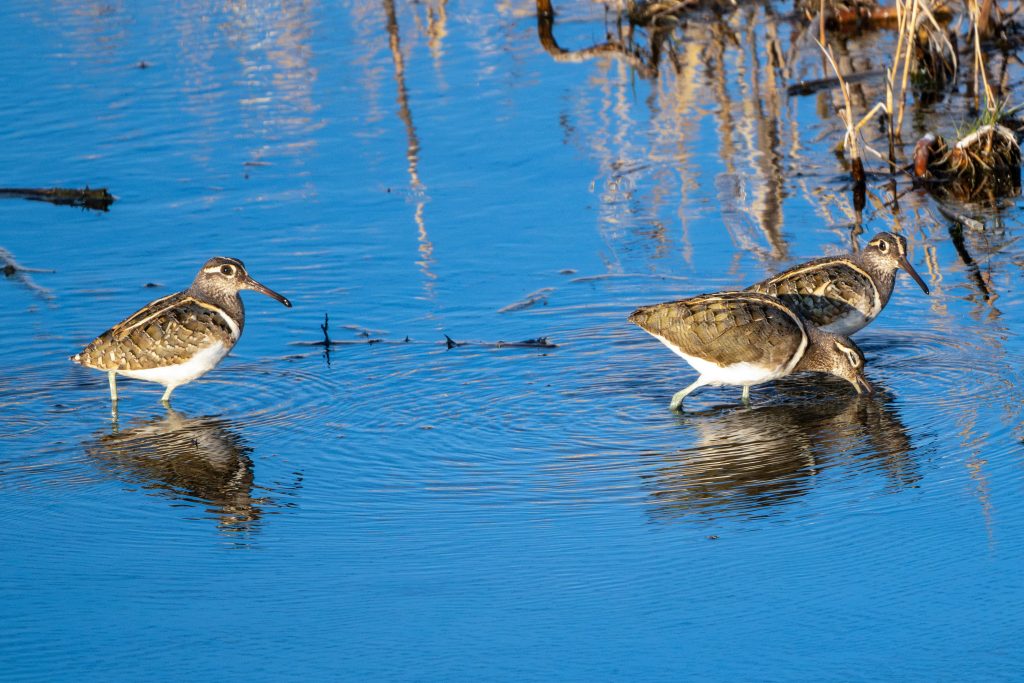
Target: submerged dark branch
(11, 268)
(540, 296)
(538, 343)
(97, 200)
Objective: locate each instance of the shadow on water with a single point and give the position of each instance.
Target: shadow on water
(199, 460)
(751, 462)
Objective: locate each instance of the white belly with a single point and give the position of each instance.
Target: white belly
(736, 374)
(182, 373)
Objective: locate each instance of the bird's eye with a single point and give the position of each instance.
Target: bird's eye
(883, 246)
(227, 270)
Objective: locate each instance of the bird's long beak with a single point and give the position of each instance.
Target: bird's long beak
(905, 265)
(257, 287)
(862, 385)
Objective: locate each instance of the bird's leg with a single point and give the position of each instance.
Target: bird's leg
(677, 400)
(166, 399)
(746, 394)
(112, 380)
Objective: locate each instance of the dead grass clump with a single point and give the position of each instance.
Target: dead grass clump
(984, 161)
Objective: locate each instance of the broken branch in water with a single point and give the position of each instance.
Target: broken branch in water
(323, 328)
(541, 295)
(327, 343)
(12, 268)
(614, 276)
(98, 199)
(538, 343)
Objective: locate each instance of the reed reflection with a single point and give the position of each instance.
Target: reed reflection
(645, 62)
(750, 462)
(200, 460)
(726, 64)
(416, 186)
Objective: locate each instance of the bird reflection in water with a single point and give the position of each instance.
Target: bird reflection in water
(750, 462)
(201, 460)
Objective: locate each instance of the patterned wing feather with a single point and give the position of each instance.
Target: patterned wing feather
(823, 291)
(166, 332)
(727, 328)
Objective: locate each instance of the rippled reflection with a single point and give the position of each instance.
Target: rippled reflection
(201, 460)
(748, 462)
(416, 186)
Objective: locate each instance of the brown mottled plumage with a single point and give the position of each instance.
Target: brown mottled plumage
(166, 332)
(842, 294)
(180, 337)
(734, 328)
(746, 338)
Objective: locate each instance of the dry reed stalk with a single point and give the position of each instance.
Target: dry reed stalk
(977, 21)
(851, 140)
(918, 29)
(821, 22)
(904, 44)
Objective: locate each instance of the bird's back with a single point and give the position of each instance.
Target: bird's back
(834, 293)
(169, 331)
(727, 328)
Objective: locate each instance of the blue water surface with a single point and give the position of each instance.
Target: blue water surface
(399, 510)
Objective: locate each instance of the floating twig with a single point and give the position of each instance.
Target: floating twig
(538, 343)
(541, 295)
(349, 342)
(327, 343)
(98, 199)
(617, 276)
(11, 268)
(364, 331)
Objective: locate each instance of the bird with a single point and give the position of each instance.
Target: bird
(179, 338)
(842, 294)
(747, 338)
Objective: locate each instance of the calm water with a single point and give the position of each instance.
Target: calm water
(402, 511)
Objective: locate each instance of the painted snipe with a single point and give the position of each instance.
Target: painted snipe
(842, 294)
(746, 338)
(180, 337)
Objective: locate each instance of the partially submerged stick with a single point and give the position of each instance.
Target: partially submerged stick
(98, 199)
(540, 296)
(538, 343)
(11, 268)
(328, 343)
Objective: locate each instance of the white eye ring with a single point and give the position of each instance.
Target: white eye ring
(227, 269)
(851, 356)
(883, 247)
